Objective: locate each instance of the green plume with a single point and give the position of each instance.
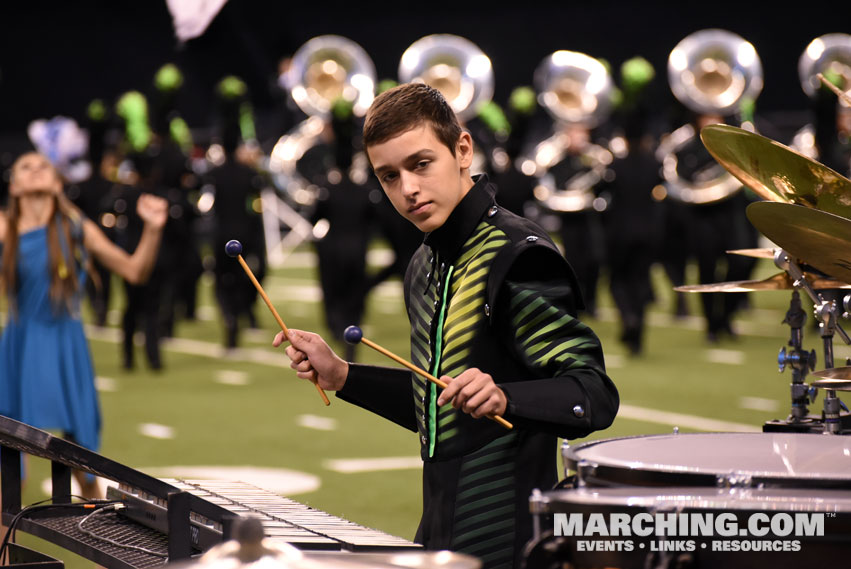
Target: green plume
(636, 73)
(342, 109)
(96, 111)
(747, 109)
(385, 85)
(617, 97)
(522, 100)
(232, 87)
(246, 122)
(834, 78)
(168, 78)
(133, 108)
(492, 115)
(180, 133)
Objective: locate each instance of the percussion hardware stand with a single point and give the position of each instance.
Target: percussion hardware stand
(537, 507)
(826, 310)
(826, 314)
(801, 361)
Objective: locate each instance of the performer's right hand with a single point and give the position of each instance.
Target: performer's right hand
(311, 357)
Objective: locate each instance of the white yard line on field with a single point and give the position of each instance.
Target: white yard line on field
(682, 420)
(353, 465)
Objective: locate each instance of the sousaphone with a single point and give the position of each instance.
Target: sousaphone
(711, 72)
(827, 54)
(324, 69)
(576, 90)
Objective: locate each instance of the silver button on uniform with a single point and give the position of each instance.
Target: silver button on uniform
(579, 411)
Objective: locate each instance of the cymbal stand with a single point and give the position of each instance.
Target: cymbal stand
(826, 313)
(801, 361)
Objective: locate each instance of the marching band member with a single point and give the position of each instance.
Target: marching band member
(633, 218)
(492, 306)
(717, 76)
(236, 186)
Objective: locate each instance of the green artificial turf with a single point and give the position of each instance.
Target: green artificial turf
(256, 422)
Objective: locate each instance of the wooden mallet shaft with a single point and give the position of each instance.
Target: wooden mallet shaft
(353, 335)
(237, 251)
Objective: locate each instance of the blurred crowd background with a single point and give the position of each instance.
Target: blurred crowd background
(199, 102)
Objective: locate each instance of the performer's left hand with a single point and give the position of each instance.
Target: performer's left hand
(474, 392)
(153, 210)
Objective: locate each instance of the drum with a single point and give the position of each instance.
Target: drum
(777, 460)
(689, 527)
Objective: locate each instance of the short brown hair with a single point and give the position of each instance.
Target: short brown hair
(406, 107)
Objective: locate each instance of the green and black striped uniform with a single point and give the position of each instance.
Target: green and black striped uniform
(490, 290)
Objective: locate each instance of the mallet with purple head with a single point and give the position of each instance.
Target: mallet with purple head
(234, 249)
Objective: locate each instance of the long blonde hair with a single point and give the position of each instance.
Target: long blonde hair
(62, 267)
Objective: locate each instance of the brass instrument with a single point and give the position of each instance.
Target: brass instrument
(576, 90)
(324, 69)
(712, 72)
(453, 65)
(827, 53)
(328, 67)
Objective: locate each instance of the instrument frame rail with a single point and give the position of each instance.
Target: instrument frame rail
(59, 525)
(175, 520)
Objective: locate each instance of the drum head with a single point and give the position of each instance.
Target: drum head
(793, 460)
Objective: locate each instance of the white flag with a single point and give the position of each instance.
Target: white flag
(191, 17)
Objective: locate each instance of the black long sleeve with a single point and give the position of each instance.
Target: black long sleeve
(385, 391)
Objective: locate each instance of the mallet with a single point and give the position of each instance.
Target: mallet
(353, 335)
(234, 249)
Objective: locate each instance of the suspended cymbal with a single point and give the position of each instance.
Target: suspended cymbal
(838, 378)
(776, 172)
(821, 239)
(780, 281)
(762, 253)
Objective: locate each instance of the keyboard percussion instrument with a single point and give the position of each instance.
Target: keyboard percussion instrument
(147, 522)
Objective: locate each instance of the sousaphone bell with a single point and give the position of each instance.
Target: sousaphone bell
(453, 65)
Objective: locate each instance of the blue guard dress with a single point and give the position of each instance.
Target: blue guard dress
(46, 372)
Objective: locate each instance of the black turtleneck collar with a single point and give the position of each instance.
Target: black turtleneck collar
(448, 239)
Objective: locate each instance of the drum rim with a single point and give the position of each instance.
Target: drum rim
(689, 497)
(596, 474)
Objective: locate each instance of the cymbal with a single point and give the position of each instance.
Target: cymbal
(776, 172)
(780, 281)
(838, 378)
(761, 253)
(821, 239)
(393, 560)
